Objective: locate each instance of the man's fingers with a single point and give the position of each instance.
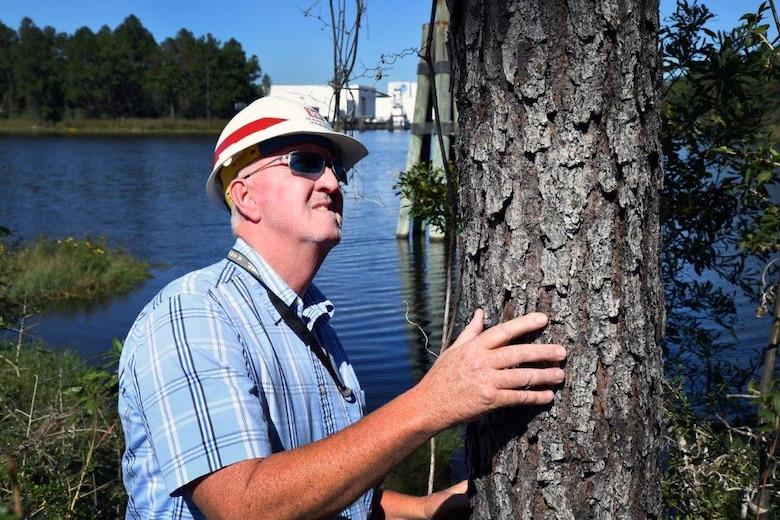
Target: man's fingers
(503, 333)
(473, 329)
(460, 487)
(529, 397)
(514, 355)
(528, 378)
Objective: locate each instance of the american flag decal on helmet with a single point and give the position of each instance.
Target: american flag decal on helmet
(314, 113)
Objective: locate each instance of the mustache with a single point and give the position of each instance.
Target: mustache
(329, 201)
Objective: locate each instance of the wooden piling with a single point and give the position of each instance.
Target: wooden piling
(424, 143)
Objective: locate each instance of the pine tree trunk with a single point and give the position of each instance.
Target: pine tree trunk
(559, 164)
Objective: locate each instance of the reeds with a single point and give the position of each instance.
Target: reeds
(46, 271)
(59, 436)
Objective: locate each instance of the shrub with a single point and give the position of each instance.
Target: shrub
(425, 186)
(714, 469)
(62, 440)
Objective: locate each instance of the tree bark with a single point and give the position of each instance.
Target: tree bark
(559, 163)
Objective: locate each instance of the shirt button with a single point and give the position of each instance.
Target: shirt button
(323, 390)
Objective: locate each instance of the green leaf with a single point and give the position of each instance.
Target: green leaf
(776, 402)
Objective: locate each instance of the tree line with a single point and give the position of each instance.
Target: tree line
(48, 76)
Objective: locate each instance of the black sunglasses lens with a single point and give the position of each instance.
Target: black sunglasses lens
(340, 172)
(310, 163)
(307, 163)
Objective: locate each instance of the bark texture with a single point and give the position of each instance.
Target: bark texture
(559, 162)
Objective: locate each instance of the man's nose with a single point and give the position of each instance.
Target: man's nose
(328, 178)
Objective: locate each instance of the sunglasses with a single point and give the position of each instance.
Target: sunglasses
(307, 164)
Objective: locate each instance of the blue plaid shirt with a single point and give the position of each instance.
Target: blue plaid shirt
(210, 375)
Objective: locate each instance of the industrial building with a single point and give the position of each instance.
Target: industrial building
(359, 104)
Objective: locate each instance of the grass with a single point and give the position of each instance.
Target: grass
(411, 476)
(61, 440)
(121, 126)
(46, 271)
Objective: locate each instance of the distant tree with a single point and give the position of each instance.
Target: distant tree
(177, 80)
(106, 71)
(123, 73)
(8, 42)
(265, 86)
(211, 71)
(38, 70)
(83, 83)
(201, 78)
(166, 78)
(130, 57)
(235, 76)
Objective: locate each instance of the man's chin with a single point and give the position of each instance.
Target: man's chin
(330, 241)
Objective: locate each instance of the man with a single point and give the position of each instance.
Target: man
(236, 398)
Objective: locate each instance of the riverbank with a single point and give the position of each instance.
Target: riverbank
(136, 126)
(61, 437)
(110, 127)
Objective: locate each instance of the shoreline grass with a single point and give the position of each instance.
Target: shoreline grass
(61, 440)
(46, 271)
(129, 126)
(112, 127)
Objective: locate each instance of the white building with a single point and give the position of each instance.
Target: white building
(399, 102)
(358, 103)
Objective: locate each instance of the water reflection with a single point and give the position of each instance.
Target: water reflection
(422, 268)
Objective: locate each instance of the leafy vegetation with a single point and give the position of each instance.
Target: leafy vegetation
(714, 468)
(46, 76)
(425, 186)
(46, 272)
(61, 441)
(720, 229)
(719, 160)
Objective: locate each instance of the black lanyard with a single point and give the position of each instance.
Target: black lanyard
(294, 322)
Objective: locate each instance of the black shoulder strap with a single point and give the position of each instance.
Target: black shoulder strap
(294, 322)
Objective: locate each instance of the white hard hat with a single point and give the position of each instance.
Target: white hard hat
(266, 125)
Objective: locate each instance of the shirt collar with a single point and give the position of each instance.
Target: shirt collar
(310, 308)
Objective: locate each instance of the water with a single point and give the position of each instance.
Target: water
(147, 195)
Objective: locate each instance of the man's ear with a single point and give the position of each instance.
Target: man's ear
(245, 202)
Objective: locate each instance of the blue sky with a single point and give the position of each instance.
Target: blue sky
(291, 48)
